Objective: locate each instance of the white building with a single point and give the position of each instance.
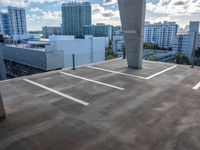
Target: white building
(185, 43)
(36, 55)
(161, 34)
(118, 44)
(17, 20)
(86, 51)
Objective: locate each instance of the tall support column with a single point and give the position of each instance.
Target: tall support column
(2, 111)
(132, 14)
(2, 66)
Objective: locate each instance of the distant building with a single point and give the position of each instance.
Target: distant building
(75, 15)
(88, 50)
(161, 34)
(185, 43)
(49, 31)
(99, 30)
(158, 55)
(25, 37)
(17, 20)
(5, 24)
(117, 30)
(118, 44)
(32, 58)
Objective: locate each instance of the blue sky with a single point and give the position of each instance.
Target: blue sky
(47, 12)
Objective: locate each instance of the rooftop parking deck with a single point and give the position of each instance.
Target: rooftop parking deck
(104, 106)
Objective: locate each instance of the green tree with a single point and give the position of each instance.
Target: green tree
(152, 58)
(197, 53)
(181, 59)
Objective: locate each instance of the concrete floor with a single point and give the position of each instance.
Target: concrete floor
(157, 113)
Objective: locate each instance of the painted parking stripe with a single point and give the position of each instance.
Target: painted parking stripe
(57, 92)
(196, 87)
(90, 80)
(116, 72)
(161, 72)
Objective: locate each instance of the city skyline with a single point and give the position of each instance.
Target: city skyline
(43, 12)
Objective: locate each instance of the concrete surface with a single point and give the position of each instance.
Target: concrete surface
(161, 113)
(132, 13)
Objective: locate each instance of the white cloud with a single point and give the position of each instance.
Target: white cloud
(24, 3)
(102, 15)
(18, 3)
(109, 2)
(36, 9)
(175, 7)
(55, 15)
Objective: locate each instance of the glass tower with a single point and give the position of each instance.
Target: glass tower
(4, 23)
(75, 15)
(17, 18)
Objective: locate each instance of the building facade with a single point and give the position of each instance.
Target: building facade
(161, 34)
(43, 58)
(4, 24)
(17, 21)
(116, 30)
(76, 15)
(99, 30)
(118, 44)
(49, 31)
(88, 50)
(187, 42)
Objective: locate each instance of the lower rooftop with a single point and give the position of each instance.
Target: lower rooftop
(104, 106)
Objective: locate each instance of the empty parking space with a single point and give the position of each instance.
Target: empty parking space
(115, 72)
(148, 68)
(93, 81)
(57, 92)
(197, 86)
(131, 75)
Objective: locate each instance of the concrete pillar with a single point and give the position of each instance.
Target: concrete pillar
(132, 14)
(2, 66)
(2, 111)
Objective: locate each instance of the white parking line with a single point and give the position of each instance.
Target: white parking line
(116, 72)
(196, 87)
(97, 82)
(130, 75)
(157, 74)
(57, 92)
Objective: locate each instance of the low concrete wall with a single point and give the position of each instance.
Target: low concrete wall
(2, 111)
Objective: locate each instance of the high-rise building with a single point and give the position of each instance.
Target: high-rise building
(49, 31)
(75, 15)
(4, 23)
(17, 18)
(161, 34)
(185, 43)
(99, 30)
(117, 30)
